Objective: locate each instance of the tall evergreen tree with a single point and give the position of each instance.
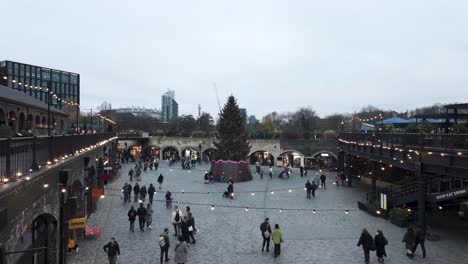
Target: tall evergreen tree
(232, 144)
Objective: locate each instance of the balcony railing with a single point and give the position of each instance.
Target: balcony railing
(19, 156)
(445, 142)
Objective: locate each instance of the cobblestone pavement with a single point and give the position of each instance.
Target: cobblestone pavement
(231, 235)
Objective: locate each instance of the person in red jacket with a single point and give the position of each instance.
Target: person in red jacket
(105, 177)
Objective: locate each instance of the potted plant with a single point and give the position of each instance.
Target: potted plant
(400, 216)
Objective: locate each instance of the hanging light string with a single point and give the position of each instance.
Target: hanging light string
(272, 191)
(212, 206)
(410, 152)
(54, 95)
(375, 118)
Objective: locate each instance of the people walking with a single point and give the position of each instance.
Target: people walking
(176, 220)
(143, 193)
(130, 174)
(419, 240)
(277, 238)
(181, 251)
(301, 170)
(342, 178)
(265, 228)
(169, 199)
(149, 216)
(409, 239)
(132, 213)
(271, 172)
(113, 251)
(367, 243)
(314, 188)
(164, 244)
(191, 227)
(160, 181)
(261, 173)
(136, 192)
(142, 212)
(308, 187)
(323, 178)
(151, 191)
(257, 167)
(380, 243)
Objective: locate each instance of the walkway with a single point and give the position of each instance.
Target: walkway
(231, 235)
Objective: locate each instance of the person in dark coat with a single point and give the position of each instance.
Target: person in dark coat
(323, 179)
(191, 226)
(409, 239)
(143, 193)
(314, 187)
(265, 228)
(380, 243)
(164, 244)
(151, 191)
(160, 181)
(420, 238)
(308, 187)
(230, 190)
(142, 212)
(113, 251)
(184, 230)
(132, 213)
(367, 243)
(136, 192)
(342, 178)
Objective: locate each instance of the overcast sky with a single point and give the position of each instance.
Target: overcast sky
(335, 56)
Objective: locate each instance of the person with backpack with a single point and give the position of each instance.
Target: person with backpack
(181, 251)
(142, 212)
(113, 251)
(277, 238)
(308, 187)
(136, 192)
(265, 228)
(323, 178)
(160, 181)
(367, 243)
(164, 244)
(380, 243)
(176, 220)
(151, 191)
(131, 217)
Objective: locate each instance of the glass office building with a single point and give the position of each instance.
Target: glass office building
(26, 77)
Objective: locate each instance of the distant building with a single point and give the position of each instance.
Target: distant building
(34, 80)
(140, 111)
(169, 108)
(252, 120)
(244, 114)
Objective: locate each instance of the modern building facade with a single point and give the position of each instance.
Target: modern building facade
(169, 106)
(34, 80)
(139, 111)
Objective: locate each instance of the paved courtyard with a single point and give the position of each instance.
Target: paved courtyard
(231, 235)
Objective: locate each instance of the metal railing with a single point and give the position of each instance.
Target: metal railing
(410, 140)
(19, 156)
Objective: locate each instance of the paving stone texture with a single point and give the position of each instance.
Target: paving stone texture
(232, 235)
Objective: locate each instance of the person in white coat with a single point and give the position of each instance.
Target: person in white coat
(176, 220)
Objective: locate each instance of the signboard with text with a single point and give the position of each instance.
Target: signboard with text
(76, 223)
(450, 195)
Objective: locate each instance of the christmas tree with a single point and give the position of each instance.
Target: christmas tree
(232, 144)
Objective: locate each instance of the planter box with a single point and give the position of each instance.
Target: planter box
(399, 222)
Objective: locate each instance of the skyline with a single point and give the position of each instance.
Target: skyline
(335, 57)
